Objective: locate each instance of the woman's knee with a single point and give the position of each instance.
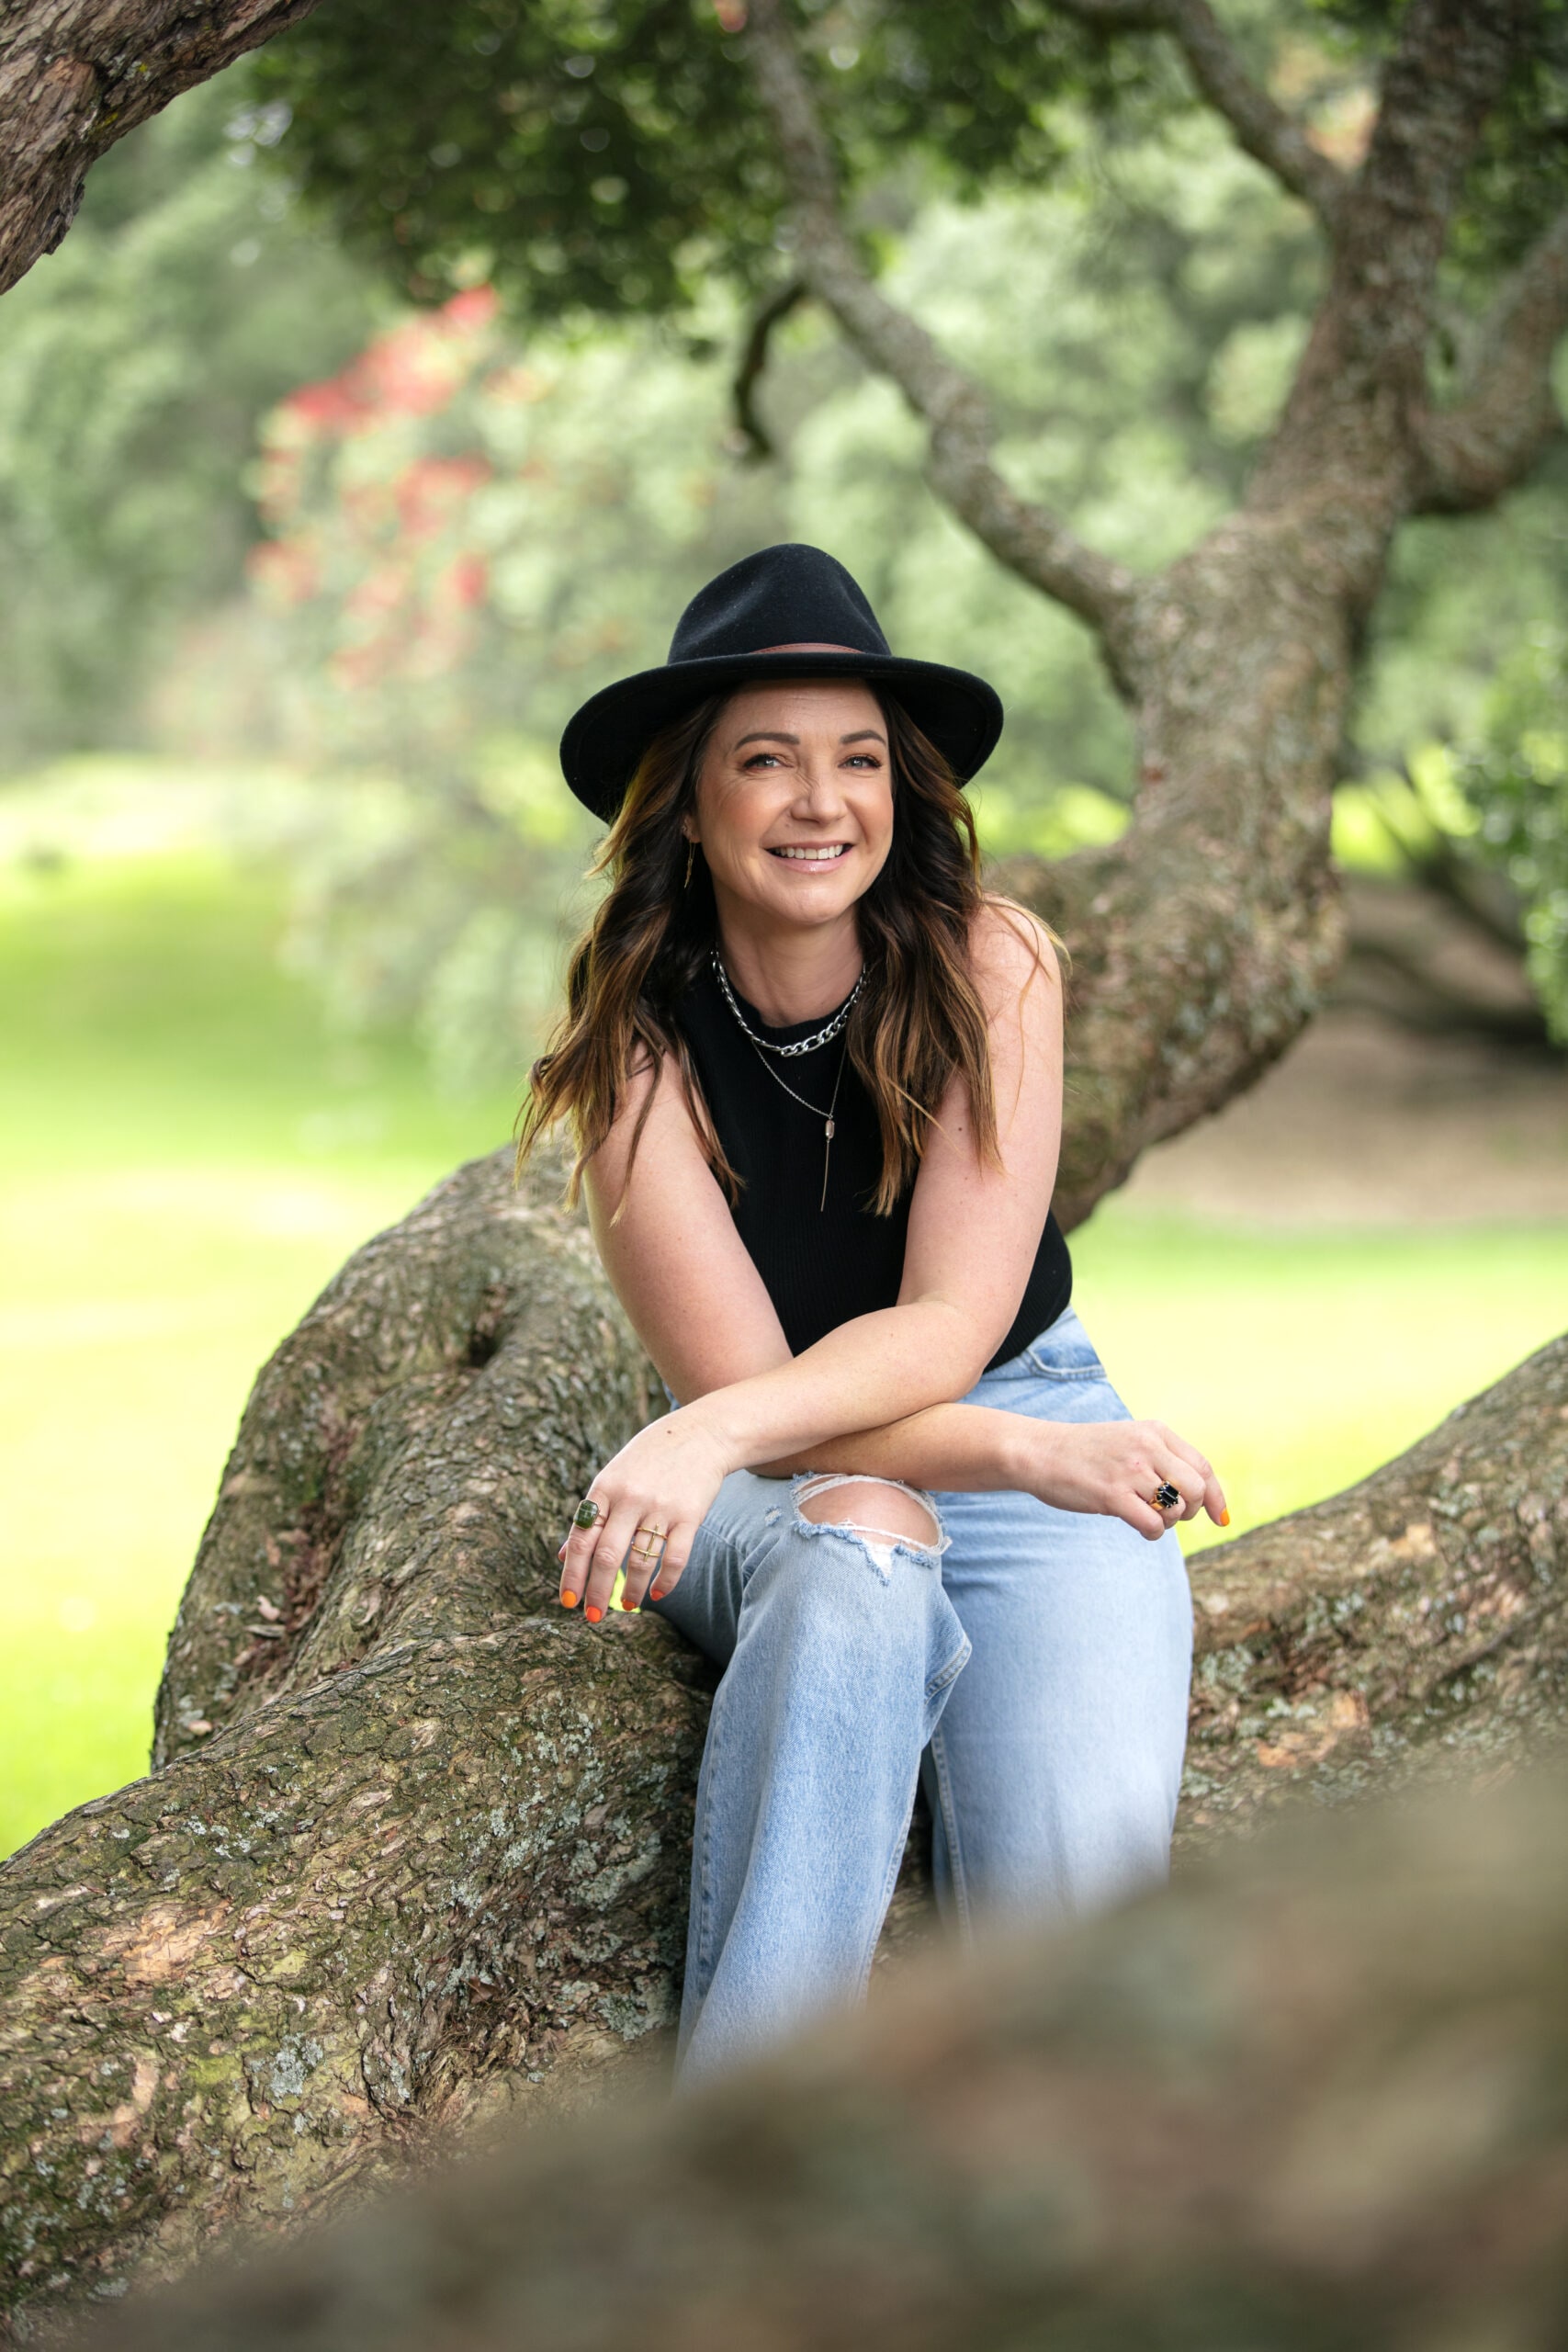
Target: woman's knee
(879, 1510)
(852, 1593)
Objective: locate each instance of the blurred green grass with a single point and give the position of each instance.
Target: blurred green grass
(189, 1153)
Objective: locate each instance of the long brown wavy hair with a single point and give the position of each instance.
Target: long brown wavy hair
(918, 1019)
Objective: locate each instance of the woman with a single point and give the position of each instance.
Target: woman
(815, 1077)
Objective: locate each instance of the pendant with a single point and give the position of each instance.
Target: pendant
(826, 1155)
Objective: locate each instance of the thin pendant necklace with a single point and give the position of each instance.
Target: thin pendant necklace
(824, 1037)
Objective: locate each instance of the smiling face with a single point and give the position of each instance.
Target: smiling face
(795, 804)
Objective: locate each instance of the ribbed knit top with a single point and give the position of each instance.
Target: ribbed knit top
(822, 1266)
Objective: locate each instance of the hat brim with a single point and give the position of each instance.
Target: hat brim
(603, 740)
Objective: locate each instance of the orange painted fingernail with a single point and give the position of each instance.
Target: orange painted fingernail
(1225, 1519)
(569, 1601)
(593, 1615)
(658, 1593)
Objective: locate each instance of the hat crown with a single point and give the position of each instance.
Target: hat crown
(791, 594)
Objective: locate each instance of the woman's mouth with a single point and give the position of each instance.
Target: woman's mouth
(811, 854)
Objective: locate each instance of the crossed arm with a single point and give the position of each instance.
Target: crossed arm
(877, 1394)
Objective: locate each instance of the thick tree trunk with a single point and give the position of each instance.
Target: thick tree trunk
(418, 1851)
(1315, 2097)
(1204, 940)
(75, 75)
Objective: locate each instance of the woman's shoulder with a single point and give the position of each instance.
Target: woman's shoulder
(1010, 948)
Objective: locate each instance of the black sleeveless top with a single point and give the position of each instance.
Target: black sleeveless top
(822, 1266)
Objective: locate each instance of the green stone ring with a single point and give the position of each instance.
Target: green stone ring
(588, 1513)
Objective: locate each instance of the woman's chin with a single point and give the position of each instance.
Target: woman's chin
(809, 898)
(813, 903)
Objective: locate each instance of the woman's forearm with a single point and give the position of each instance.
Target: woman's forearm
(873, 1373)
(948, 1448)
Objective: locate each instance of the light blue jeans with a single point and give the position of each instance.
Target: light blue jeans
(1031, 1667)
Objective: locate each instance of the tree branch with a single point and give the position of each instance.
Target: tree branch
(1020, 533)
(1470, 454)
(753, 361)
(1348, 440)
(76, 76)
(1264, 130)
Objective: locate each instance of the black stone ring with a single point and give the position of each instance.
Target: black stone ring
(589, 1512)
(1166, 1496)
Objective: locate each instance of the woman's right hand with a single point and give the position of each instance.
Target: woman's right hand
(1115, 1467)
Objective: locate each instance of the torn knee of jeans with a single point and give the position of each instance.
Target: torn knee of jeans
(905, 1520)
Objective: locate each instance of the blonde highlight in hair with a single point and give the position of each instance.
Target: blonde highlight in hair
(919, 1020)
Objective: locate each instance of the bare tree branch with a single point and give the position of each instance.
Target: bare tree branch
(1025, 536)
(76, 75)
(1472, 453)
(754, 359)
(1366, 355)
(1263, 130)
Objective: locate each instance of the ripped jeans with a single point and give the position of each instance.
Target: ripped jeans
(1031, 1665)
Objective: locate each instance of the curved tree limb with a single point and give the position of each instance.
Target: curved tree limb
(1022, 535)
(76, 76)
(1470, 454)
(753, 360)
(1263, 130)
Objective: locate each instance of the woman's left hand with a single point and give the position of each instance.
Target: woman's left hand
(660, 1485)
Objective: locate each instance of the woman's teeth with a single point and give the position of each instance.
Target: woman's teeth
(812, 856)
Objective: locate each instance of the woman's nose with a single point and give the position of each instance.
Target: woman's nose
(820, 786)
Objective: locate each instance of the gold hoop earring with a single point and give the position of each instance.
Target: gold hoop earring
(690, 861)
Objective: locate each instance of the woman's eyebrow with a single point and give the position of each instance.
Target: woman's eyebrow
(776, 735)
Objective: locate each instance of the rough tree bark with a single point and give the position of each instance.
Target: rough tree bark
(77, 74)
(1319, 2100)
(414, 1848)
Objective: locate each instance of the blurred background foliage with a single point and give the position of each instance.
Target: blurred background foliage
(378, 409)
(252, 504)
(134, 365)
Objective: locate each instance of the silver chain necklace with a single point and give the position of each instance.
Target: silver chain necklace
(825, 1035)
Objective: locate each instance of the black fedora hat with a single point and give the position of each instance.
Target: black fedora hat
(786, 611)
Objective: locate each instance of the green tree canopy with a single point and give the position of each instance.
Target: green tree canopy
(611, 157)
